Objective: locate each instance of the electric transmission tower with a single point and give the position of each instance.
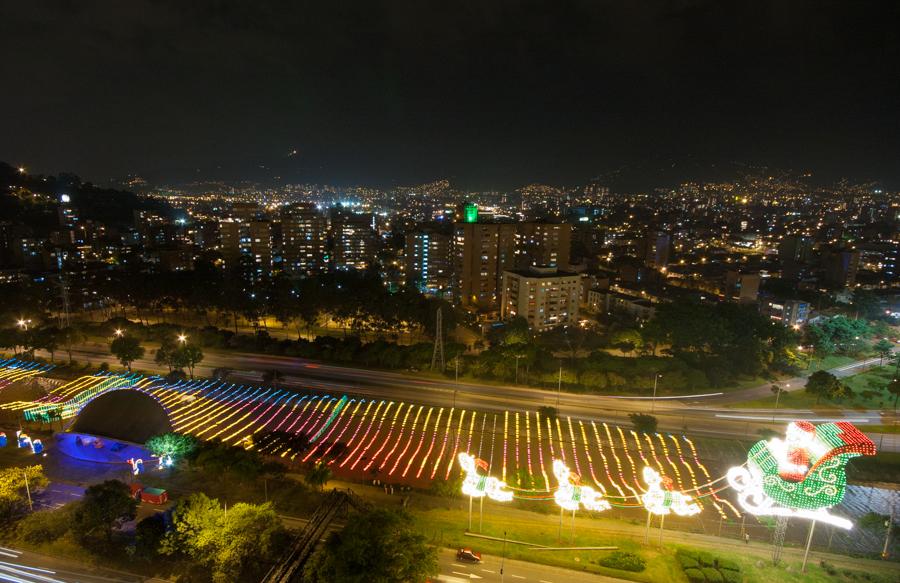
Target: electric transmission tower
(438, 342)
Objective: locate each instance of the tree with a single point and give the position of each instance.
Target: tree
(894, 389)
(189, 355)
(49, 339)
(13, 493)
(127, 349)
(379, 546)
(883, 349)
(643, 423)
(70, 337)
(239, 542)
(318, 475)
(105, 506)
(148, 535)
(824, 384)
(166, 352)
(175, 445)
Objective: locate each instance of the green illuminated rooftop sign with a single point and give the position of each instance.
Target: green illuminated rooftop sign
(471, 212)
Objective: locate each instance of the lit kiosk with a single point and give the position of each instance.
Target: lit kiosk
(802, 475)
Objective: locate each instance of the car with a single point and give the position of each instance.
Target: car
(468, 556)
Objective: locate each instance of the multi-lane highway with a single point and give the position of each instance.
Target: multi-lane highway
(699, 414)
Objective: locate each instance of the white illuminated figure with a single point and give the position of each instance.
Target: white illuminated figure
(478, 485)
(571, 493)
(661, 499)
(137, 465)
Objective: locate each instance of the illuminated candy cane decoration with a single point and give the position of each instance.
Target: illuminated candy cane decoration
(660, 499)
(478, 485)
(571, 494)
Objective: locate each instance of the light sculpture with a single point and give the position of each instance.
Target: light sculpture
(137, 465)
(661, 499)
(802, 475)
(477, 484)
(571, 494)
(37, 446)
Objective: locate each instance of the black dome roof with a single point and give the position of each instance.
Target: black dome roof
(123, 414)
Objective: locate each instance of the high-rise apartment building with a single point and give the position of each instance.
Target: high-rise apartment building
(481, 253)
(656, 249)
(544, 296)
(841, 266)
(543, 245)
(247, 244)
(427, 261)
(355, 243)
(304, 233)
(741, 286)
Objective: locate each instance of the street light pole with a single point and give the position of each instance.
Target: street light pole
(559, 385)
(456, 386)
(655, 382)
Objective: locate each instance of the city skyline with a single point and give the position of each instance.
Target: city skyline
(488, 96)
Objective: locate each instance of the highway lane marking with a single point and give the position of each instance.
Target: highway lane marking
(544, 581)
(488, 571)
(516, 576)
(469, 575)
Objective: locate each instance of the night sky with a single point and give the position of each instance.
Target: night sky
(488, 93)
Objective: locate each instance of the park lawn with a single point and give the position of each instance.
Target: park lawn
(446, 528)
(869, 392)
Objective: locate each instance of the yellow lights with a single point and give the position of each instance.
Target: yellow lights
(182, 338)
(119, 332)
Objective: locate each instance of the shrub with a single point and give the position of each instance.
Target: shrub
(687, 553)
(45, 526)
(623, 561)
(695, 575)
(688, 562)
(828, 568)
(731, 576)
(728, 565)
(712, 575)
(706, 559)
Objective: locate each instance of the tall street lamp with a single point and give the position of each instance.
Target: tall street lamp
(559, 385)
(655, 383)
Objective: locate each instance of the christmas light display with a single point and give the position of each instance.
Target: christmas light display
(570, 494)
(661, 498)
(802, 475)
(476, 482)
(2, 439)
(405, 441)
(137, 465)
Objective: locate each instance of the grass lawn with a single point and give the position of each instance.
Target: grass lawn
(445, 526)
(869, 392)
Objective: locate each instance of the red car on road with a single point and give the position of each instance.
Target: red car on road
(468, 556)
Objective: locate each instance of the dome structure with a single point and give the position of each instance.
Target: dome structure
(126, 415)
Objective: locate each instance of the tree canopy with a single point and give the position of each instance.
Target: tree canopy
(378, 546)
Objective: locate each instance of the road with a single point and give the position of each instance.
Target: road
(703, 415)
(488, 571)
(28, 567)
